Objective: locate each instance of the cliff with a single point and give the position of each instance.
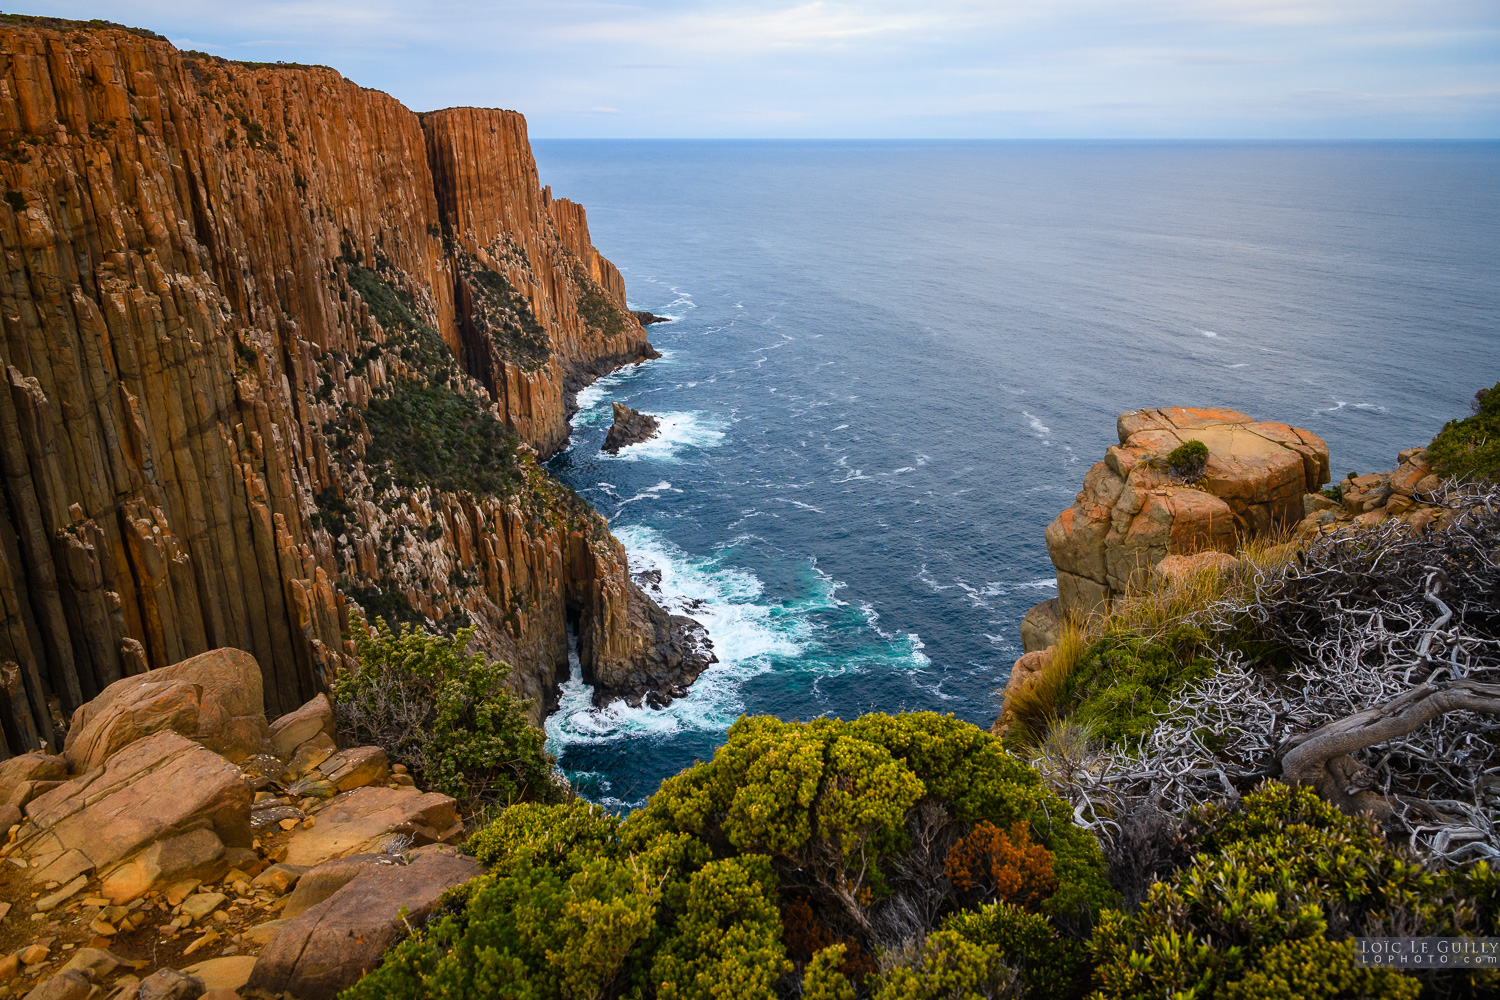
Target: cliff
(274, 343)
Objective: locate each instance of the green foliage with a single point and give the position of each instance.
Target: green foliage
(949, 967)
(445, 714)
(601, 315)
(688, 898)
(1051, 965)
(510, 321)
(433, 436)
(822, 979)
(1123, 681)
(1471, 446)
(1315, 969)
(1278, 879)
(726, 943)
(1189, 459)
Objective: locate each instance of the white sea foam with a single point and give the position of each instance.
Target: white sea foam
(751, 636)
(747, 634)
(1208, 333)
(677, 432)
(1036, 425)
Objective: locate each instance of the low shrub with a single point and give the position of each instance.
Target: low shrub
(1278, 884)
(1470, 447)
(1123, 681)
(1188, 460)
(431, 435)
(805, 857)
(445, 714)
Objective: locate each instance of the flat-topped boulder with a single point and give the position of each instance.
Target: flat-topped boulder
(214, 698)
(158, 789)
(1135, 510)
(326, 948)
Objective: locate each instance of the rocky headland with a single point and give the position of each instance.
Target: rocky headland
(630, 427)
(279, 349)
(1137, 526)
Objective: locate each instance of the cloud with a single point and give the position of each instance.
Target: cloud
(889, 67)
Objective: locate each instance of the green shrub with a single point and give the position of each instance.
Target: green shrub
(433, 436)
(1123, 681)
(1188, 460)
(1278, 879)
(1471, 446)
(801, 848)
(445, 714)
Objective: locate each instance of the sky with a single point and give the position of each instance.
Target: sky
(1204, 69)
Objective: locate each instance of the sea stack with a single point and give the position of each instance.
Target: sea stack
(631, 427)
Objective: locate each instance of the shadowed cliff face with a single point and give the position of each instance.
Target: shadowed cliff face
(272, 342)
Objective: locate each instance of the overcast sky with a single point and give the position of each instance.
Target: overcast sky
(889, 68)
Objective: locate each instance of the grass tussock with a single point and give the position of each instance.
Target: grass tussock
(1111, 671)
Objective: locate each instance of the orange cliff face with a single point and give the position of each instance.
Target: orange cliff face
(255, 318)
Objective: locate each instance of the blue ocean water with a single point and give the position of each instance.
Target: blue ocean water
(891, 364)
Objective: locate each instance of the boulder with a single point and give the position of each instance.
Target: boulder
(331, 945)
(355, 768)
(227, 973)
(1174, 572)
(70, 985)
(630, 427)
(1025, 670)
(20, 775)
(1041, 626)
(155, 789)
(367, 821)
(310, 754)
(95, 963)
(296, 728)
(1133, 512)
(317, 884)
(214, 698)
(169, 984)
(198, 853)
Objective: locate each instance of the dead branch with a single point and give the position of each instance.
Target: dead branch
(1389, 702)
(1322, 758)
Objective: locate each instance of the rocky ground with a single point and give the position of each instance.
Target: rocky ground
(181, 845)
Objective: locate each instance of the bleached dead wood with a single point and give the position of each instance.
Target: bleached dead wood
(1391, 703)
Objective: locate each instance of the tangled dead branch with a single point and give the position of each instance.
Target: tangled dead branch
(1391, 702)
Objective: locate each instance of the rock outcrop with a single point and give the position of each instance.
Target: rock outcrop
(1136, 526)
(274, 346)
(630, 427)
(1411, 493)
(1133, 512)
(326, 947)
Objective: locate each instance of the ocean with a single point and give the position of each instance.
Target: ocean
(890, 364)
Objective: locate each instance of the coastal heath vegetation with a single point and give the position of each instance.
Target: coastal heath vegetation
(445, 714)
(911, 857)
(1470, 447)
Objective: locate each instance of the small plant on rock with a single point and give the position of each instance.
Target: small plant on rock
(1188, 461)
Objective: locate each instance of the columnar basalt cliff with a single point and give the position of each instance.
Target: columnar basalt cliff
(273, 342)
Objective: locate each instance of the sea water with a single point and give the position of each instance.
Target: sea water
(890, 365)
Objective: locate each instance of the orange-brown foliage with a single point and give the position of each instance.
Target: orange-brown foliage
(1003, 865)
